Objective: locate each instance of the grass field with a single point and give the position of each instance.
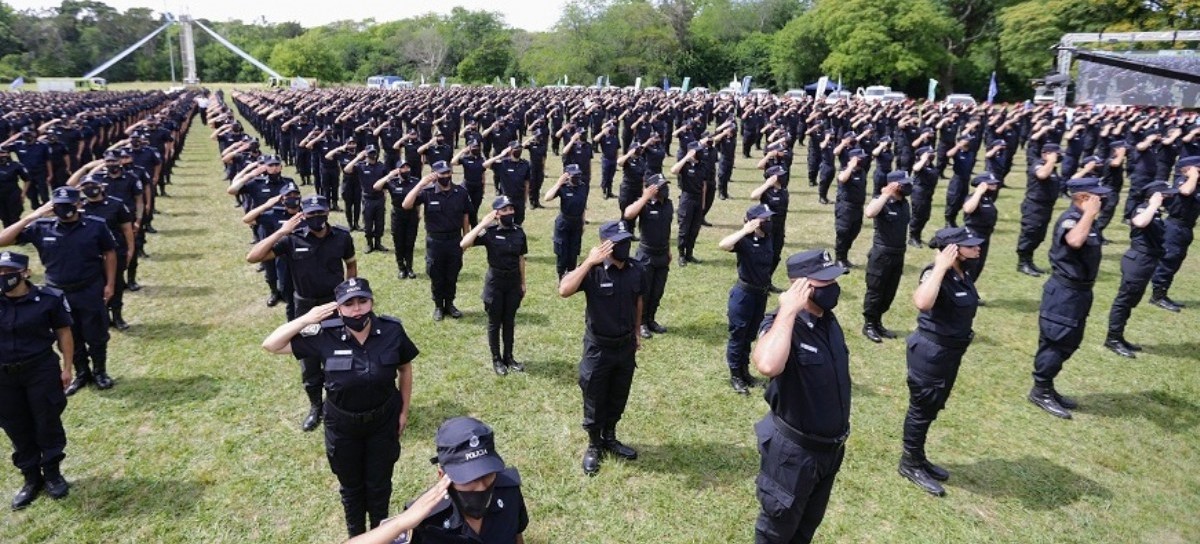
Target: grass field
(199, 440)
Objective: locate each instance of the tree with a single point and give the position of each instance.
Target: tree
(306, 56)
(427, 49)
(490, 60)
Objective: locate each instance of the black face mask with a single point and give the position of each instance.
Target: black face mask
(906, 189)
(444, 182)
(316, 222)
(292, 202)
(472, 504)
(114, 171)
(10, 281)
(92, 191)
(765, 227)
(508, 220)
(65, 211)
(620, 250)
(357, 324)
(826, 298)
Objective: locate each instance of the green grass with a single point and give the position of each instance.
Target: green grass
(199, 441)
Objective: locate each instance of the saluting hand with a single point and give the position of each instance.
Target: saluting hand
(650, 191)
(320, 313)
(599, 253)
(432, 497)
(290, 225)
(1091, 205)
(946, 257)
(752, 225)
(796, 295)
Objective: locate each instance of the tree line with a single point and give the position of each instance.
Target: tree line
(780, 43)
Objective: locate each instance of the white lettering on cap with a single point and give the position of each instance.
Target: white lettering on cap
(476, 454)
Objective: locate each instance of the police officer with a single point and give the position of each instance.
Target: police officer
(446, 220)
(1146, 231)
(980, 215)
(120, 220)
(773, 193)
(1184, 211)
(690, 172)
(572, 194)
(1067, 295)
(947, 300)
(848, 213)
(956, 188)
(366, 359)
(80, 259)
(504, 284)
(633, 174)
(473, 171)
(374, 204)
(925, 180)
(613, 284)
(316, 253)
(655, 213)
(268, 218)
(802, 439)
(32, 319)
(398, 183)
(885, 261)
(609, 145)
(12, 195)
(511, 174)
(1041, 189)
(748, 297)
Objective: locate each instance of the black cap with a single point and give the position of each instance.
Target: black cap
(962, 236)
(289, 188)
(816, 264)
(899, 176)
(466, 450)
(515, 144)
(857, 152)
(371, 150)
(272, 160)
(986, 177)
(695, 145)
(999, 143)
(351, 288)
(65, 195)
(572, 170)
(777, 170)
(614, 231)
(759, 211)
(441, 167)
(501, 202)
(1087, 185)
(1051, 148)
(1188, 162)
(111, 155)
(88, 180)
(1159, 186)
(12, 259)
(1091, 159)
(655, 179)
(924, 149)
(314, 203)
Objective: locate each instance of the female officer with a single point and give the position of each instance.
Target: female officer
(748, 297)
(31, 384)
(947, 300)
(571, 190)
(979, 215)
(369, 385)
(504, 286)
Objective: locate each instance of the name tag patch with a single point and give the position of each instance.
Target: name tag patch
(808, 348)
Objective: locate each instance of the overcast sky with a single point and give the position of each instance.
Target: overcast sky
(527, 14)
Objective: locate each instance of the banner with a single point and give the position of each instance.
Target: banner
(600, 81)
(16, 83)
(442, 82)
(992, 89)
(512, 82)
(687, 81)
(746, 85)
(666, 84)
(933, 83)
(822, 84)
(637, 84)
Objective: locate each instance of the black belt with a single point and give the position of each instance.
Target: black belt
(1080, 285)
(319, 300)
(498, 273)
(753, 288)
(654, 250)
(359, 417)
(809, 441)
(72, 287)
(610, 341)
(453, 235)
(947, 341)
(889, 250)
(17, 367)
(1182, 222)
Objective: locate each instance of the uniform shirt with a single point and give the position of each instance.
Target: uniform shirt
(777, 199)
(27, 323)
(953, 311)
(444, 210)
(1039, 190)
(854, 191)
(612, 296)
(511, 176)
(505, 246)
(1079, 265)
(691, 177)
(983, 219)
(472, 167)
(1144, 163)
(438, 152)
(633, 172)
(581, 154)
(755, 259)
(399, 189)
(316, 263)
(127, 186)
(572, 199)
(72, 252)
(655, 155)
(269, 221)
(368, 174)
(358, 377)
(506, 518)
(812, 394)
(115, 214)
(610, 145)
(11, 173)
(1148, 240)
(1184, 209)
(654, 221)
(260, 189)
(891, 224)
(33, 155)
(146, 157)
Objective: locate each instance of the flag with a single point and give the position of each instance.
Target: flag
(600, 81)
(607, 82)
(933, 83)
(992, 89)
(839, 82)
(746, 84)
(666, 84)
(512, 82)
(16, 83)
(822, 84)
(442, 82)
(687, 82)
(565, 80)
(637, 84)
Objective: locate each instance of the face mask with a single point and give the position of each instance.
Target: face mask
(91, 191)
(357, 324)
(114, 170)
(620, 250)
(65, 211)
(291, 202)
(906, 189)
(10, 281)
(516, 156)
(508, 220)
(316, 222)
(444, 182)
(472, 504)
(663, 193)
(826, 298)
(765, 227)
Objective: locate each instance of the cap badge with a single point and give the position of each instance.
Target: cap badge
(473, 442)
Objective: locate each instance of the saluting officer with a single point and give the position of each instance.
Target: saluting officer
(316, 253)
(1067, 295)
(885, 261)
(773, 193)
(120, 220)
(447, 209)
(748, 297)
(947, 300)
(1041, 189)
(398, 183)
(655, 213)
(511, 174)
(80, 258)
(690, 171)
(848, 212)
(1184, 211)
(367, 374)
(268, 218)
(504, 284)
(374, 204)
(925, 178)
(32, 319)
(613, 285)
(1146, 230)
(571, 190)
(980, 215)
(802, 439)
(12, 195)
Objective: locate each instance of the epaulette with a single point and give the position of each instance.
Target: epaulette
(391, 319)
(52, 291)
(115, 199)
(332, 323)
(509, 477)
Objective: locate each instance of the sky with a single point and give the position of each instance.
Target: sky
(527, 14)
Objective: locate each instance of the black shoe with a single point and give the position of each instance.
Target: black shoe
(884, 332)
(133, 286)
(723, 196)
(149, 229)
(591, 460)
(749, 380)
(1161, 300)
(645, 332)
(915, 242)
(400, 275)
(774, 289)
(938, 473)
(412, 275)
(872, 333)
(951, 224)
(437, 314)
(1115, 345)
(615, 447)
(916, 473)
(313, 418)
(78, 383)
(498, 367)
(452, 311)
(103, 381)
(823, 200)
(119, 322)
(1131, 347)
(705, 223)
(28, 493)
(681, 261)
(693, 260)
(1028, 269)
(739, 385)
(1035, 268)
(1066, 402)
(57, 487)
(382, 249)
(1044, 398)
(845, 264)
(514, 365)
(274, 299)
(656, 328)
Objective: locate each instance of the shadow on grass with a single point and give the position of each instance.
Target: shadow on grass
(1035, 481)
(173, 232)
(559, 370)
(169, 257)
(176, 291)
(424, 419)
(713, 334)
(1020, 305)
(168, 332)
(1168, 412)
(705, 464)
(146, 390)
(1186, 350)
(119, 498)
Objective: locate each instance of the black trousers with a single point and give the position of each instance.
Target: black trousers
(825, 180)
(39, 189)
(744, 311)
(956, 194)
(502, 297)
(404, 236)
(374, 212)
(1136, 270)
(363, 456)
(793, 486)
(568, 241)
(724, 173)
(90, 328)
(118, 299)
(443, 262)
(847, 224)
(690, 213)
(353, 203)
(922, 206)
(31, 407)
(10, 206)
(608, 171)
(932, 371)
(605, 377)
(475, 194)
(655, 269)
(1176, 241)
(1035, 220)
(312, 375)
(884, 268)
(1061, 321)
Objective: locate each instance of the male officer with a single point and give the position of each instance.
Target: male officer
(748, 297)
(398, 183)
(1184, 211)
(690, 171)
(1067, 295)
(447, 210)
(374, 204)
(1041, 189)
(268, 218)
(119, 219)
(848, 213)
(80, 259)
(613, 284)
(12, 194)
(885, 261)
(655, 212)
(316, 253)
(802, 439)
(925, 180)
(1137, 265)
(511, 174)
(572, 195)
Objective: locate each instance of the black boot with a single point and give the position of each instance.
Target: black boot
(748, 378)
(914, 469)
(81, 380)
(274, 299)
(871, 332)
(940, 474)
(513, 365)
(498, 366)
(615, 447)
(315, 413)
(883, 331)
(1044, 398)
(56, 486)
(118, 321)
(1116, 345)
(452, 311)
(591, 456)
(1026, 267)
(29, 492)
(738, 382)
(102, 379)
(1159, 298)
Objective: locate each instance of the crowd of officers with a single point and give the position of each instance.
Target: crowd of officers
(91, 167)
(359, 149)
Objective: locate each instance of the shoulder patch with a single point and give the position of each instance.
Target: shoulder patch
(924, 275)
(310, 330)
(54, 292)
(1069, 223)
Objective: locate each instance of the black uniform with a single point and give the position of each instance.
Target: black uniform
(512, 178)
(1036, 211)
(982, 223)
(691, 206)
(609, 346)
(502, 288)
(924, 184)
(1066, 299)
(472, 167)
(362, 409)
(568, 226)
(506, 517)
(848, 212)
(374, 203)
(444, 214)
(1137, 267)
(405, 222)
(748, 297)
(885, 261)
(654, 251)
(115, 214)
(1184, 211)
(11, 174)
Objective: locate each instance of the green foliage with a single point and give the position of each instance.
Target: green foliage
(489, 61)
(306, 56)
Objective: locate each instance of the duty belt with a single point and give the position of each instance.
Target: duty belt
(452, 235)
(72, 287)
(17, 367)
(753, 288)
(1079, 285)
(809, 441)
(610, 341)
(654, 250)
(947, 341)
(359, 417)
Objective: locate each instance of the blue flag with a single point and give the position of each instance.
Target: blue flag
(17, 83)
(933, 83)
(992, 89)
(666, 84)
